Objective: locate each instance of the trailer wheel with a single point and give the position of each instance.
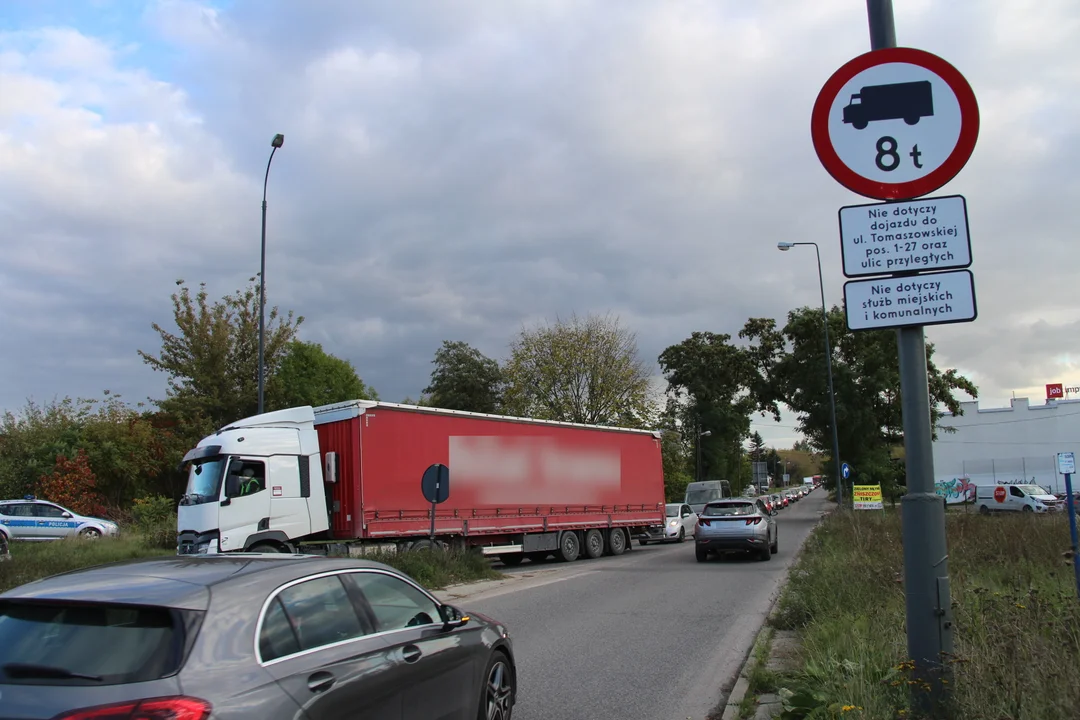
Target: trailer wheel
(569, 546)
(616, 544)
(594, 543)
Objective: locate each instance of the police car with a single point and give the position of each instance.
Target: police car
(32, 519)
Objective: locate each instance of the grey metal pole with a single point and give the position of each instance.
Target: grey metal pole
(262, 275)
(697, 466)
(926, 567)
(832, 392)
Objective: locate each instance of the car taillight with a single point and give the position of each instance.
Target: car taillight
(162, 708)
(753, 521)
(702, 521)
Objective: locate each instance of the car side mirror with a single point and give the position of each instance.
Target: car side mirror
(453, 618)
(66, 514)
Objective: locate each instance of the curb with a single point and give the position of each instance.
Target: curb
(742, 685)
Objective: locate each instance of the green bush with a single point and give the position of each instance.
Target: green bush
(154, 518)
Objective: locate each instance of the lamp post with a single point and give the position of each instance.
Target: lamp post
(785, 246)
(697, 469)
(277, 142)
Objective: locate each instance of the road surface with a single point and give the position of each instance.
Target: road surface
(650, 634)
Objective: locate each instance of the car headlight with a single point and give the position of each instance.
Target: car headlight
(674, 523)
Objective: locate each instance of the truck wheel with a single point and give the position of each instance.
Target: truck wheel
(616, 544)
(594, 544)
(912, 120)
(265, 548)
(421, 545)
(860, 124)
(643, 542)
(511, 559)
(569, 546)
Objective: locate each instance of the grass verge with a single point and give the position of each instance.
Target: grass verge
(434, 569)
(1017, 618)
(34, 560)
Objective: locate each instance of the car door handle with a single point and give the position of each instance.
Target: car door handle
(411, 653)
(320, 682)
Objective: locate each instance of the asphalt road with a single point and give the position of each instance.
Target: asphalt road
(650, 634)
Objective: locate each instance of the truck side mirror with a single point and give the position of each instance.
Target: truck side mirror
(232, 485)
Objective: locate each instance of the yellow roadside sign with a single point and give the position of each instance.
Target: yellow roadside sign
(868, 497)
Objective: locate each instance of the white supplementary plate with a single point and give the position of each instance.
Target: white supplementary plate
(892, 302)
(900, 237)
(1066, 463)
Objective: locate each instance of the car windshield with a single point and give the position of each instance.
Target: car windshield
(720, 510)
(50, 644)
(204, 480)
(1032, 490)
(673, 510)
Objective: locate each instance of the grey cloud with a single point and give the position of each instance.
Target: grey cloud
(452, 170)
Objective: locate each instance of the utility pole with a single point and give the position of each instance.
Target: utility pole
(926, 564)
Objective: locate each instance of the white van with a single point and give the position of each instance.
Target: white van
(1015, 498)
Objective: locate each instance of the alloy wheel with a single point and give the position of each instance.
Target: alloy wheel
(499, 691)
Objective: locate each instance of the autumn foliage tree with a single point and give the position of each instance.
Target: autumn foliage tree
(72, 484)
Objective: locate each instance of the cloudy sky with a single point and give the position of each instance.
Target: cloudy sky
(456, 169)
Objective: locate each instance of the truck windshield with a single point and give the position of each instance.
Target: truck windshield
(204, 480)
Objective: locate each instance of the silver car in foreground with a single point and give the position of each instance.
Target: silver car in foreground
(736, 524)
(247, 636)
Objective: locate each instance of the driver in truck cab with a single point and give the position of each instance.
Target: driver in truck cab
(249, 484)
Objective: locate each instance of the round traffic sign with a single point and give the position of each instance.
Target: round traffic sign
(895, 124)
(999, 494)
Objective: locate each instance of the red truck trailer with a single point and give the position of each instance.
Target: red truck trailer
(518, 488)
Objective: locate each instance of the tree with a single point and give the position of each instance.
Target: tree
(802, 445)
(213, 362)
(308, 375)
(708, 379)
(584, 370)
(465, 379)
(72, 485)
(127, 455)
(791, 369)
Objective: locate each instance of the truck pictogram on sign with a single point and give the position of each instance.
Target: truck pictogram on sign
(907, 101)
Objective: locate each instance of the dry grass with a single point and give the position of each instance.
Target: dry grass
(1017, 618)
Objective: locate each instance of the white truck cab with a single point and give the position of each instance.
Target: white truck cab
(1014, 498)
(256, 484)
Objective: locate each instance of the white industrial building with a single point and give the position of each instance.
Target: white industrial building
(1019, 443)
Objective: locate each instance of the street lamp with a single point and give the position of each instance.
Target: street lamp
(785, 246)
(697, 469)
(277, 142)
